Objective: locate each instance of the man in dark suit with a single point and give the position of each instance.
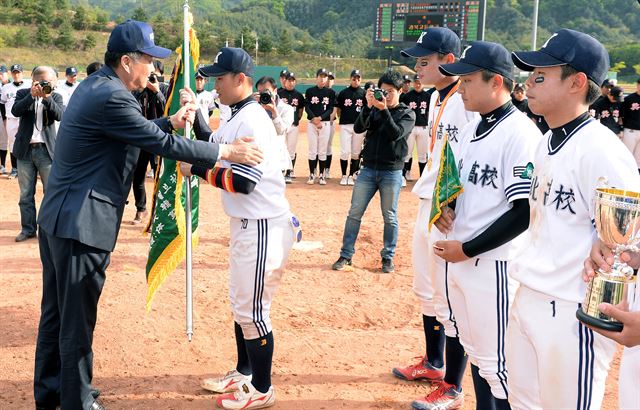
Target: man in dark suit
(98, 144)
(38, 108)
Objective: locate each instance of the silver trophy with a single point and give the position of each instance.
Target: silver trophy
(617, 215)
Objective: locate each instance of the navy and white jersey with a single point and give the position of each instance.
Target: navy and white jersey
(631, 111)
(65, 90)
(8, 95)
(206, 101)
(561, 226)
(419, 103)
(319, 102)
(350, 102)
(295, 99)
(493, 171)
(453, 119)
(267, 200)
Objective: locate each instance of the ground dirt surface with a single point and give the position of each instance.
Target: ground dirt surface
(338, 334)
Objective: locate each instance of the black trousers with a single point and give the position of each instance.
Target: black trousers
(139, 174)
(72, 278)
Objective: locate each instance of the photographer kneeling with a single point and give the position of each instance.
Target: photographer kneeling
(387, 123)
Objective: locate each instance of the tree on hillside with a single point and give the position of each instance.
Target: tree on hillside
(81, 18)
(139, 14)
(284, 44)
(278, 8)
(21, 38)
(66, 40)
(43, 35)
(265, 44)
(89, 42)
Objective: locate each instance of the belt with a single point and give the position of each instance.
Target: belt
(36, 144)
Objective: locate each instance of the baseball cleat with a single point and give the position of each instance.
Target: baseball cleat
(311, 180)
(343, 180)
(247, 397)
(422, 370)
(230, 382)
(404, 182)
(445, 397)
(350, 180)
(322, 181)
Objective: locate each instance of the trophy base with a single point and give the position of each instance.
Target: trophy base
(598, 323)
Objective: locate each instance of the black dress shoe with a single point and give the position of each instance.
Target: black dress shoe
(96, 405)
(24, 236)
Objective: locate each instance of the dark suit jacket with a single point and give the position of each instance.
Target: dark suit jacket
(97, 148)
(24, 108)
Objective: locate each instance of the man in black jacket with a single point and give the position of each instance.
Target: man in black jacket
(387, 123)
(100, 139)
(38, 108)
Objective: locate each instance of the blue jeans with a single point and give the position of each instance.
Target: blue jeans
(388, 183)
(39, 162)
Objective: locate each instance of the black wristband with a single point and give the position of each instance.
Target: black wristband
(199, 171)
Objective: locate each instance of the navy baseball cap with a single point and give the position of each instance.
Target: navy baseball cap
(434, 40)
(71, 71)
(330, 75)
(137, 36)
(568, 47)
(416, 77)
(229, 60)
(481, 55)
(198, 73)
(16, 67)
(3, 68)
(355, 73)
(406, 78)
(291, 76)
(322, 71)
(284, 73)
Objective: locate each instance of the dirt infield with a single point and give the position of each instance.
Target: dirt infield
(338, 334)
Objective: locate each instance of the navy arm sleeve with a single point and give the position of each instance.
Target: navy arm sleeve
(511, 224)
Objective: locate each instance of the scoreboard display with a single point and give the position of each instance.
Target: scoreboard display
(400, 22)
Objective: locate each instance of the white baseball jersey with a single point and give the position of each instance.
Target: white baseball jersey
(267, 200)
(8, 95)
(493, 173)
(562, 207)
(451, 124)
(65, 90)
(206, 102)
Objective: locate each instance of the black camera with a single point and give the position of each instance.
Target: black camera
(153, 78)
(379, 94)
(46, 87)
(265, 98)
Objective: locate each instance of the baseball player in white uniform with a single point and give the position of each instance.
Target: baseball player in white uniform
(262, 232)
(206, 100)
(554, 360)
(491, 213)
(8, 97)
(447, 117)
(67, 86)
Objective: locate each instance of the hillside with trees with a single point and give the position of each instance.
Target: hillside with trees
(292, 32)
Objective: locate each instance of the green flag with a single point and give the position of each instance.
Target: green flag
(448, 185)
(167, 245)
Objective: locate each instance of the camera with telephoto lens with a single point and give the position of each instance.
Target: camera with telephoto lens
(265, 98)
(46, 87)
(379, 94)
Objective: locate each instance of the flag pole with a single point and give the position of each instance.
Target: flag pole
(187, 133)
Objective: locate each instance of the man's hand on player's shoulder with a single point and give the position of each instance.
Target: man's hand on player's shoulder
(242, 151)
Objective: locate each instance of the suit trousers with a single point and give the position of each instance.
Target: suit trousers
(139, 174)
(73, 275)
